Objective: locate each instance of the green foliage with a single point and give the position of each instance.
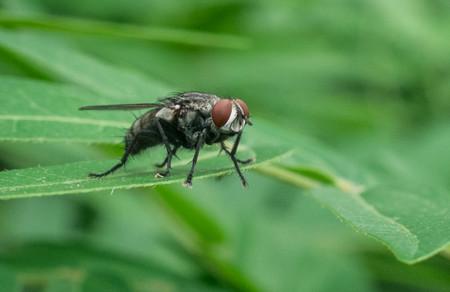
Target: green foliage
(396, 217)
(111, 29)
(72, 178)
(66, 64)
(76, 267)
(31, 106)
(350, 108)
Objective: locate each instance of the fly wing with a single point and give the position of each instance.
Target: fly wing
(191, 101)
(119, 107)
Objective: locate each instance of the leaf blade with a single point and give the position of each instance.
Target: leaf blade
(127, 31)
(67, 64)
(72, 178)
(36, 111)
(413, 233)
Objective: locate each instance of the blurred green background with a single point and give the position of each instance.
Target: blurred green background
(368, 78)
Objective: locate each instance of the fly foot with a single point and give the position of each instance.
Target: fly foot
(161, 174)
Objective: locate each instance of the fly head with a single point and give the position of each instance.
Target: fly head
(230, 115)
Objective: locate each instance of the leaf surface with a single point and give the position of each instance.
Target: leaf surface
(127, 31)
(412, 223)
(65, 63)
(35, 111)
(72, 178)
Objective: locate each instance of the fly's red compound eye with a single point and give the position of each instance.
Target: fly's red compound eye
(221, 112)
(244, 107)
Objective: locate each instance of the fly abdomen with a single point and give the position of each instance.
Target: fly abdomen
(142, 134)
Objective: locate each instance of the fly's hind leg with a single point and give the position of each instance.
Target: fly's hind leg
(170, 152)
(120, 164)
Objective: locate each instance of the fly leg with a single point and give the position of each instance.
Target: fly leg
(167, 161)
(234, 150)
(170, 153)
(235, 160)
(198, 146)
(174, 153)
(121, 163)
(162, 164)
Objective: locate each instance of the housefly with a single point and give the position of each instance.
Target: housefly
(185, 120)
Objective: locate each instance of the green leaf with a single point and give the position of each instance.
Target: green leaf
(7, 279)
(76, 266)
(127, 31)
(413, 224)
(202, 236)
(422, 215)
(273, 225)
(72, 178)
(191, 215)
(67, 64)
(310, 168)
(25, 120)
(431, 275)
(34, 111)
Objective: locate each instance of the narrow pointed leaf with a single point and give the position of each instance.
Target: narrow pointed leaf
(412, 223)
(127, 31)
(36, 111)
(67, 64)
(72, 178)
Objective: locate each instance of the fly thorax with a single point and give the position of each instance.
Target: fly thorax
(205, 111)
(166, 114)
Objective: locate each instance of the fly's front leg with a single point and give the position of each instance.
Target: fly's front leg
(225, 149)
(235, 160)
(198, 146)
(234, 150)
(170, 153)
